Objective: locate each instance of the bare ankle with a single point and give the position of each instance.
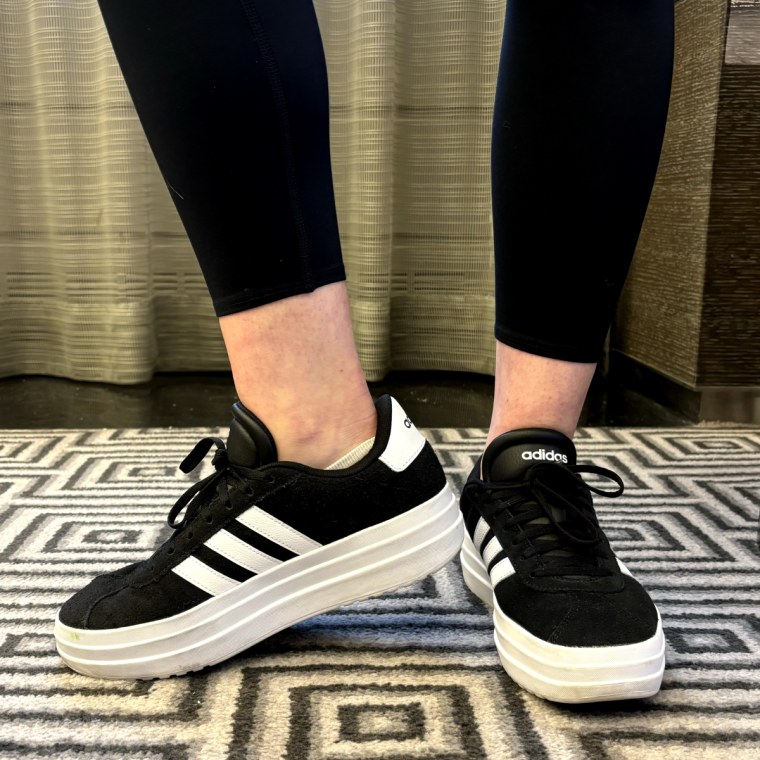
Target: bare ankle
(537, 392)
(320, 436)
(295, 366)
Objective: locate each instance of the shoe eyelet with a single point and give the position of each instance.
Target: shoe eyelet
(210, 519)
(189, 535)
(271, 479)
(170, 550)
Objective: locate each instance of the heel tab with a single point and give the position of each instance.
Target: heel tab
(404, 442)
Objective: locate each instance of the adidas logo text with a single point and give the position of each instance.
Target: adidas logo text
(545, 456)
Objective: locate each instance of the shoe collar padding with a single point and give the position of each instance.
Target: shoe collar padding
(249, 444)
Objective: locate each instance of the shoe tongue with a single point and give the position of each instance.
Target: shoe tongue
(511, 454)
(249, 443)
(509, 457)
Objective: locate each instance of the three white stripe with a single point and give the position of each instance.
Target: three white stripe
(241, 553)
(238, 551)
(204, 577)
(481, 529)
(503, 568)
(275, 530)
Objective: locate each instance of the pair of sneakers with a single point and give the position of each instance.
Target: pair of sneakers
(261, 544)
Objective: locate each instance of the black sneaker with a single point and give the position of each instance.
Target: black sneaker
(262, 545)
(571, 624)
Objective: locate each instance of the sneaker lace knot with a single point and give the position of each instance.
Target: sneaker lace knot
(218, 482)
(551, 512)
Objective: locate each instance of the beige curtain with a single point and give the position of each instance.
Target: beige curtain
(97, 279)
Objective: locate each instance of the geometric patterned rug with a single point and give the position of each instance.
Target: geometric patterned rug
(409, 675)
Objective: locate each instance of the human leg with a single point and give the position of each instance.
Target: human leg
(233, 99)
(537, 391)
(578, 124)
(580, 112)
(295, 360)
(581, 104)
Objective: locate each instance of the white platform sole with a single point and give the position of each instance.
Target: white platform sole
(371, 562)
(567, 674)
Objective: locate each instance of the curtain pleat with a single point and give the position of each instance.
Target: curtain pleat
(97, 278)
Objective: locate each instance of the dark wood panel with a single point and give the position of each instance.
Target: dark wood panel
(658, 320)
(729, 352)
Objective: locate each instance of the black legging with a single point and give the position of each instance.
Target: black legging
(232, 95)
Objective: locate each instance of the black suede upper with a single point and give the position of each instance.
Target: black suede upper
(109, 602)
(580, 618)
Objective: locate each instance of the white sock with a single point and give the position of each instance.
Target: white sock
(353, 456)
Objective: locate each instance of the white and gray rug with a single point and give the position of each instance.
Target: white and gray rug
(410, 675)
